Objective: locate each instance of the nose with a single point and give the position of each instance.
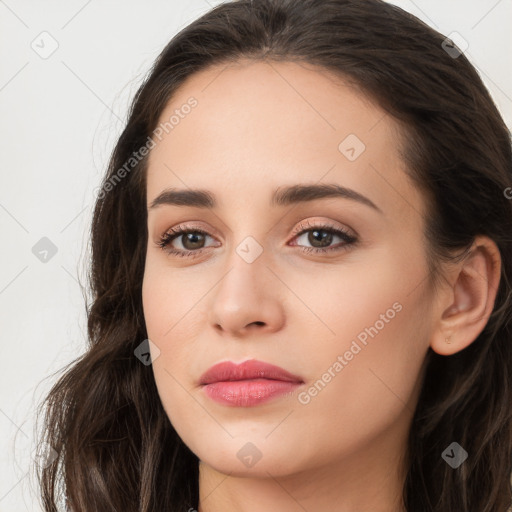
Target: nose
(247, 299)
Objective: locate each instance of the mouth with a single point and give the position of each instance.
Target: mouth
(247, 384)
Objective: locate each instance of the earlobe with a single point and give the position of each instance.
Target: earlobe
(470, 298)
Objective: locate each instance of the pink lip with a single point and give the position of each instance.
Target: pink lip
(250, 383)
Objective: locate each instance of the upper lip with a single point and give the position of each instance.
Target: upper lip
(251, 369)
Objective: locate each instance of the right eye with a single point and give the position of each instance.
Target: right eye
(192, 237)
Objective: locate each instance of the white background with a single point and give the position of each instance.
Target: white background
(60, 118)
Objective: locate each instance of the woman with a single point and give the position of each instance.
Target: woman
(300, 264)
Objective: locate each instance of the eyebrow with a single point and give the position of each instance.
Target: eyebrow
(283, 196)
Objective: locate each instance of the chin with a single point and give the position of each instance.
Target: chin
(242, 458)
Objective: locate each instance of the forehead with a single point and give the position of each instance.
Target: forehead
(256, 126)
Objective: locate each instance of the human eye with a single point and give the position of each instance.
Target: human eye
(323, 234)
(190, 236)
(192, 239)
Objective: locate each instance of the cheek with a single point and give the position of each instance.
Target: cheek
(171, 299)
(173, 307)
(165, 314)
(360, 389)
(369, 352)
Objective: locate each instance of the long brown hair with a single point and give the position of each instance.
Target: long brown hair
(117, 450)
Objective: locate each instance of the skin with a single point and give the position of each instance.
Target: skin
(259, 126)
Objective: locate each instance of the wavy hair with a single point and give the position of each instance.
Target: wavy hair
(117, 450)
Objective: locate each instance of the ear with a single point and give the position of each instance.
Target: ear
(466, 304)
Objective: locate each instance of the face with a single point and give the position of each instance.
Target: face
(329, 285)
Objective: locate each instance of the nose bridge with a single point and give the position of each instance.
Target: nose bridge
(247, 265)
(250, 251)
(248, 238)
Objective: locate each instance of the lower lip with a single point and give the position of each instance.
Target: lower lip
(247, 393)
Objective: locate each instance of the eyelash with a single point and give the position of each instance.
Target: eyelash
(173, 233)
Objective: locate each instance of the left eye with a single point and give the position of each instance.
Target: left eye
(324, 237)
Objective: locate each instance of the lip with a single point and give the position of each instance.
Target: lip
(247, 384)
